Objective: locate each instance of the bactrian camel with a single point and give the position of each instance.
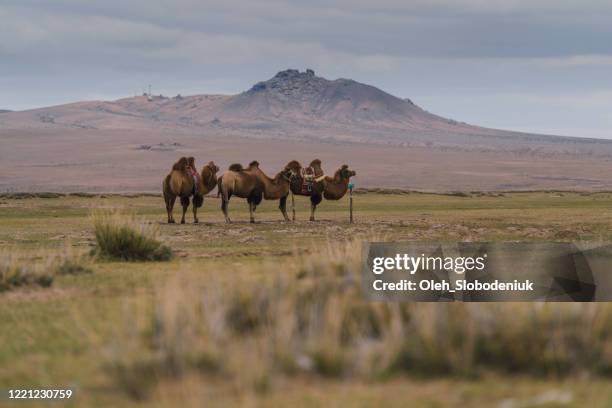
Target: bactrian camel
(277, 188)
(331, 188)
(253, 184)
(242, 183)
(178, 183)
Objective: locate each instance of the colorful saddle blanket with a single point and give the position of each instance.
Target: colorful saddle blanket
(308, 179)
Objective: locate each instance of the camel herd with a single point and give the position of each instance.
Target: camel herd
(252, 184)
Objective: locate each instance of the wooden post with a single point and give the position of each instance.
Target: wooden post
(350, 186)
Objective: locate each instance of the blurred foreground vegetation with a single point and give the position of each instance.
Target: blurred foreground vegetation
(271, 313)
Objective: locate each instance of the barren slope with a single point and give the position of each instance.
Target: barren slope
(129, 143)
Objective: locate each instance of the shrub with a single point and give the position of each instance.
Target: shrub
(72, 267)
(137, 377)
(40, 269)
(15, 273)
(121, 237)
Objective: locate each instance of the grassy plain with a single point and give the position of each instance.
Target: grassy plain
(69, 334)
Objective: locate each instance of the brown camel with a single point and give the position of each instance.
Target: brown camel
(181, 184)
(332, 188)
(277, 188)
(243, 183)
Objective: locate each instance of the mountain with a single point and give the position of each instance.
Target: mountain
(126, 144)
(293, 95)
(4, 111)
(295, 105)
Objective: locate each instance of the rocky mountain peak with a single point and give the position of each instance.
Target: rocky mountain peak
(294, 94)
(291, 73)
(291, 81)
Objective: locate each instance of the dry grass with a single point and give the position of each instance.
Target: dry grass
(236, 318)
(27, 270)
(311, 319)
(16, 272)
(123, 237)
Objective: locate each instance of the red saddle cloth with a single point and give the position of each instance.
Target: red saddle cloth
(308, 177)
(196, 178)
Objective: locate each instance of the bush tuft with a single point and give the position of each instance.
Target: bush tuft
(16, 272)
(120, 237)
(24, 270)
(72, 267)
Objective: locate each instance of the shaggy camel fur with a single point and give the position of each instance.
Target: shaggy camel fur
(180, 184)
(316, 194)
(277, 188)
(332, 188)
(243, 183)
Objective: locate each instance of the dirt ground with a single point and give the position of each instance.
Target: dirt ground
(114, 160)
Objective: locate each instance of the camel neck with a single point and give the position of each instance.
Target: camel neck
(274, 188)
(342, 182)
(267, 179)
(338, 186)
(207, 181)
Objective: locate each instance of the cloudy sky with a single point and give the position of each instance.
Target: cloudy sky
(542, 66)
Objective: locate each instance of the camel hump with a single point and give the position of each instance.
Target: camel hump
(180, 164)
(293, 164)
(211, 167)
(254, 163)
(236, 167)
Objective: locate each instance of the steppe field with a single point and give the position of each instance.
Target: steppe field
(271, 314)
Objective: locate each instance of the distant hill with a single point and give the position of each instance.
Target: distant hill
(296, 105)
(130, 143)
(4, 111)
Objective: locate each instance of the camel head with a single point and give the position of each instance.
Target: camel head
(209, 173)
(315, 163)
(294, 169)
(287, 174)
(191, 162)
(344, 173)
(294, 165)
(254, 163)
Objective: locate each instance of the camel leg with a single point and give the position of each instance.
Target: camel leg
(225, 197)
(170, 200)
(224, 208)
(254, 200)
(292, 206)
(314, 201)
(195, 214)
(185, 204)
(251, 210)
(283, 207)
(197, 202)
